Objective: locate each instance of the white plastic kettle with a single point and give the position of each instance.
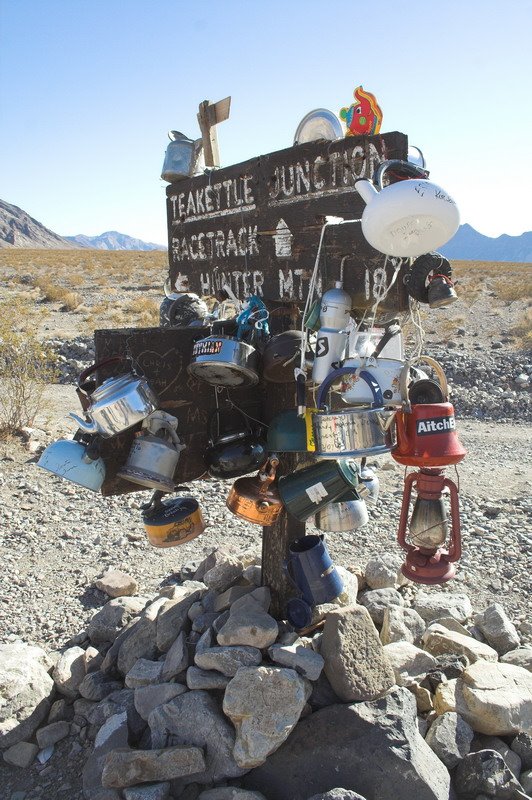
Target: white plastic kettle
(407, 218)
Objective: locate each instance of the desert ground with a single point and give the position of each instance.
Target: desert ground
(56, 538)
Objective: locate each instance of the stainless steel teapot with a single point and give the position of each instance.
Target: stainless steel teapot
(154, 454)
(181, 157)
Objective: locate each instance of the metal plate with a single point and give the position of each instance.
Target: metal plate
(319, 124)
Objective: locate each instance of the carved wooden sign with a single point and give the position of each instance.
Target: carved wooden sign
(256, 225)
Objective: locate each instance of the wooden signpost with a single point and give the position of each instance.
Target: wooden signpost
(255, 227)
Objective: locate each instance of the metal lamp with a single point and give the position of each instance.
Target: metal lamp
(429, 559)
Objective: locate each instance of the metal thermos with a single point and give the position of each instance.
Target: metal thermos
(332, 337)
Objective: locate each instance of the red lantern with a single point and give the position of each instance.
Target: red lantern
(426, 436)
(428, 560)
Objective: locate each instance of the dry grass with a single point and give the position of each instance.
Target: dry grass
(522, 329)
(508, 281)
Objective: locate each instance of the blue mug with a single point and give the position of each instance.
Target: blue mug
(311, 570)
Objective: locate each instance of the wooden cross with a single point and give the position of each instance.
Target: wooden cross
(210, 115)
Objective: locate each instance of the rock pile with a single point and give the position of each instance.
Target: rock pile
(199, 693)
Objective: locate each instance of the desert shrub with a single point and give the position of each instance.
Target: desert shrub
(523, 328)
(26, 366)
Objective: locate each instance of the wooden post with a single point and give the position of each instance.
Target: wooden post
(209, 115)
(275, 541)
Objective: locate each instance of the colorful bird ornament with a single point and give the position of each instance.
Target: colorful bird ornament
(364, 117)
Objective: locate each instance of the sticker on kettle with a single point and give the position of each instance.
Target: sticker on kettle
(426, 427)
(207, 347)
(317, 492)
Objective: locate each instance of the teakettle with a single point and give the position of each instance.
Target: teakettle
(75, 461)
(407, 218)
(154, 454)
(233, 452)
(181, 157)
(256, 499)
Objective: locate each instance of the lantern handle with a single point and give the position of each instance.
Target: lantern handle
(405, 372)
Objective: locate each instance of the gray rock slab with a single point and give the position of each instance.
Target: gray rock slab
(522, 746)
(431, 605)
(195, 718)
(117, 584)
(482, 742)
(450, 737)
(438, 641)
(144, 673)
(409, 662)
(496, 698)
(303, 659)
(497, 628)
(348, 633)
(248, 624)
(230, 793)
(177, 659)
(373, 748)
(521, 657)
(69, 672)
(485, 771)
(118, 702)
(173, 618)
(149, 697)
(337, 794)
(21, 754)
(378, 600)
(401, 624)
(228, 660)
(383, 571)
(125, 767)
(223, 574)
(264, 704)
(25, 689)
(97, 685)
(113, 734)
(205, 679)
(52, 733)
(107, 623)
(140, 643)
(225, 599)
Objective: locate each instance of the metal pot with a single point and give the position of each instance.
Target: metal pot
(306, 491)
(347, 513)
(181, 157)
(172, 522)
(234, 453)
(117, 404)
(153, 457)
(281, 355)
(353, 432)
(75, 461)
(257, 499)
(224, 361)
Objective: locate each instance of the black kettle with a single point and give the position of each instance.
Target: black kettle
(234, 451)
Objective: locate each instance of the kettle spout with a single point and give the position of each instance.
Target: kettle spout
(366, 190)
(86, 427)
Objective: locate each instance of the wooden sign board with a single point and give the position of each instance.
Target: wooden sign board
(256, 225)
(162, 356)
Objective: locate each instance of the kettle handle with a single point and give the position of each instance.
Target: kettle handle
(229, 437)
(411, 170)
(403, 380)
(267, 473)
(378, 399)
(82, 380)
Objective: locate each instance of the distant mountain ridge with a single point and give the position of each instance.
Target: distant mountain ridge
(470, 245)
(113, 240)
(18, 229)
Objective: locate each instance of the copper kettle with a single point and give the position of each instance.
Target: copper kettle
(256, 499)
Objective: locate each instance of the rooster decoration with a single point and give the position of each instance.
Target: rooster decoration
(364, 117)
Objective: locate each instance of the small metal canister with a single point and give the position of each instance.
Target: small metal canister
(172, 522)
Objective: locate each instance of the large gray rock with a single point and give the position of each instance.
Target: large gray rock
(521, 657)
(438, 641)
(113, 734)
(498, 630)
(264, 704)
(378, 600)
(206, 679)
(117, 584)
(349, 632)
(25, 689)
(409, 663)
(373, 748)
(173, 618)
(223, 574)
(303, 659)
(140, 643)
(230, 793)
(450, 737)
(177, 658)
(431, 605)
(107, 623)
(194, 718)
(248, 624)
(21, 754)
(482, 742)
(144, 673)
(384, 572)
(522, 746)
(125, 767)
(496, 698)
(149, 697)
(51, 734)
(400, 624)
(69, 672)
(97, 685)
(119, 702)
(228, 660)
(485, 771)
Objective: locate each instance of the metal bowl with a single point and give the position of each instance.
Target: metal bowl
(319, 124)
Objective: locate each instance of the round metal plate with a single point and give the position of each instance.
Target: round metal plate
(220, 374)
(319, 124)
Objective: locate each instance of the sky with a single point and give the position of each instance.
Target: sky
(90, 88)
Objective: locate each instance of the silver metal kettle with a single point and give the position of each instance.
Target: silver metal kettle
(154, 454)
(181, 157)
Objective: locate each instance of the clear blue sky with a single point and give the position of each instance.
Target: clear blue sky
(89, 89)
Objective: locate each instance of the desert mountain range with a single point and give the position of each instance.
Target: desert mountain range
(19, 229)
